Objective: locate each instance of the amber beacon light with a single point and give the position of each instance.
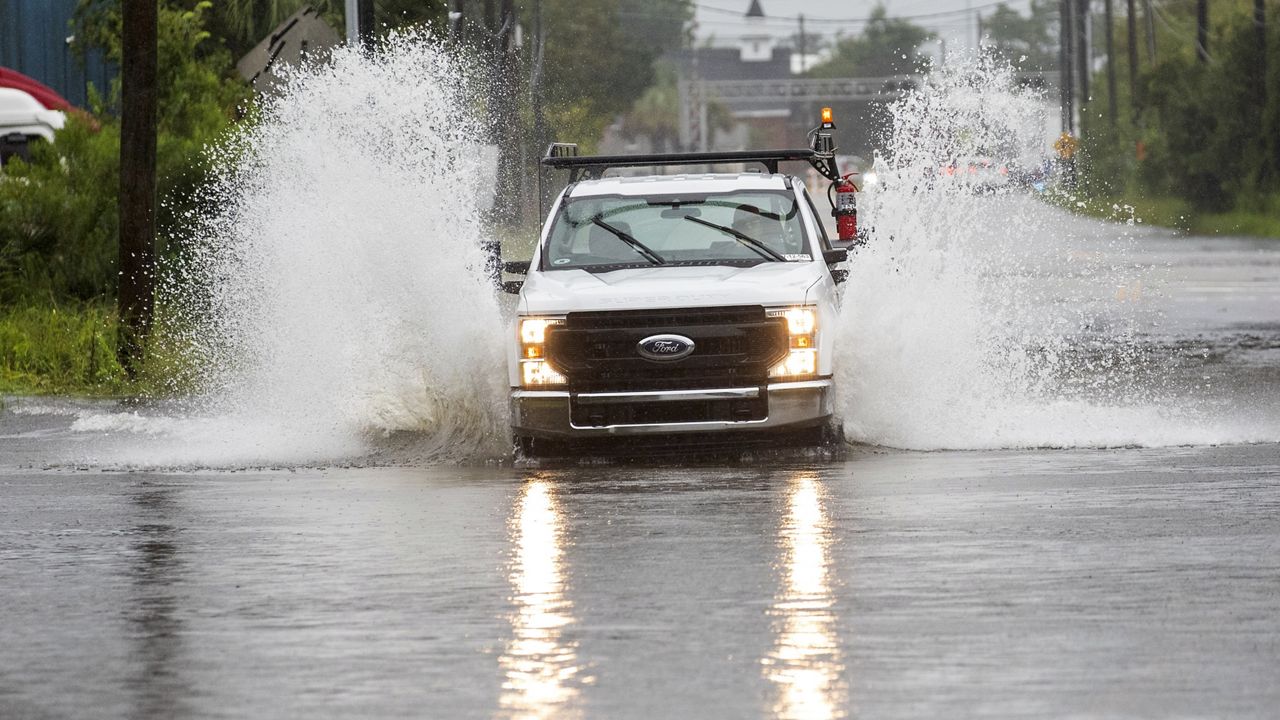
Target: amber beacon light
(828, 119)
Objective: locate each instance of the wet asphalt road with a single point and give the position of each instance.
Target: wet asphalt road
(1099, 583)
(1036, 583)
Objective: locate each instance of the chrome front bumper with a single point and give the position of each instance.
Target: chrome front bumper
(547, 413)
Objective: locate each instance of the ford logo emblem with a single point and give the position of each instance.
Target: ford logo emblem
(665, 347)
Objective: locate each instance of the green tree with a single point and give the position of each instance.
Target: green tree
(199, 94)
(1208, 130)
(656, 113)
(600, 58)
(1027, 42)
(58, 218)
(887, 46)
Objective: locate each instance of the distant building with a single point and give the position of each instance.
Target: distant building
(755, 79)
(36, 40)
(756, 55)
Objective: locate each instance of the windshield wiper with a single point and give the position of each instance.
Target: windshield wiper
(635, 244)
(754, 244)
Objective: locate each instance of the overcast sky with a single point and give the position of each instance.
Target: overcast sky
(952, 20)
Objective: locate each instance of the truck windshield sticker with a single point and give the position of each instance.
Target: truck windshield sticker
(798, 258)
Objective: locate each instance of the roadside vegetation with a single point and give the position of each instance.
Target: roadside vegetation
(59, 349)
(59, 218)
(1175, 213)
(1196, 143)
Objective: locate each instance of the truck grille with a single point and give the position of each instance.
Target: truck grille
(733, 347)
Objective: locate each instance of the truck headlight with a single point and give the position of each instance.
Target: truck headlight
(535, 371)
(802, 343)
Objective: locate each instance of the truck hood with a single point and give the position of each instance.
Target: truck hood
(564, 291)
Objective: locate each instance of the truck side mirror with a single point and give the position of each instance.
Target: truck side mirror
(516, 267)
(838, 255)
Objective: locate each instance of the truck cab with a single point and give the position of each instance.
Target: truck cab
(690, 305)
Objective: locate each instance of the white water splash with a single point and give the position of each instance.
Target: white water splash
(977, 321)
(339, 295)
(341, 312)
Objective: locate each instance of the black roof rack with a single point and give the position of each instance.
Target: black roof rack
(594, 166)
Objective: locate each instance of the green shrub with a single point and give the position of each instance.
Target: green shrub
(59, 220)
(1210, 135)
(71, 348)
(47, 349)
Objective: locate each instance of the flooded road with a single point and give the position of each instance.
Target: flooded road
(1132, 583)
(1083, 581)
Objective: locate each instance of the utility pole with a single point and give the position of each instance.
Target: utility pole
(506, 80)
(1066, 60)
(968, 13)
(457, 21)
(1111, 66)
(1202, 30)
(136, 299)
(1084, 52)
(1133, 58)
(359, 17)
(1260, 24)
(540, 139)
(803, 44)
(535, 80)
(1149, 14)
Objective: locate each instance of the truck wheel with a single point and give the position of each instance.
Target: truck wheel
(831, 435)
(523, 446)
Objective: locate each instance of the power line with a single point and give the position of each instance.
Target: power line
(855, 21)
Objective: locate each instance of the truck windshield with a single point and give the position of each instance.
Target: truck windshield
(601, 233)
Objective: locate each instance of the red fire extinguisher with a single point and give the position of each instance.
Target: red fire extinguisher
(845, 208)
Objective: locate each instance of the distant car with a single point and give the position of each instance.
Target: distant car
(981, 174)
(23, 119)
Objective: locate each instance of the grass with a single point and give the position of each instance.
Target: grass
(60, 349)
(1257, 218)
(70, 349)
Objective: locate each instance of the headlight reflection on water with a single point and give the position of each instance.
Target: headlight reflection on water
(805, 664)
(541, 669)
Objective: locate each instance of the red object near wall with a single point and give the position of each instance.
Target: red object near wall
(45, 95)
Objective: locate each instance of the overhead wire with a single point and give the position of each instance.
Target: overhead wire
(1164, 20)
(853, 20)
(940, 19)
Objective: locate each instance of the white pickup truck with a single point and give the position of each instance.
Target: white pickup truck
(692, 308)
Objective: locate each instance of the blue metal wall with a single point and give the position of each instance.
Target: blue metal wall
(33, 41)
